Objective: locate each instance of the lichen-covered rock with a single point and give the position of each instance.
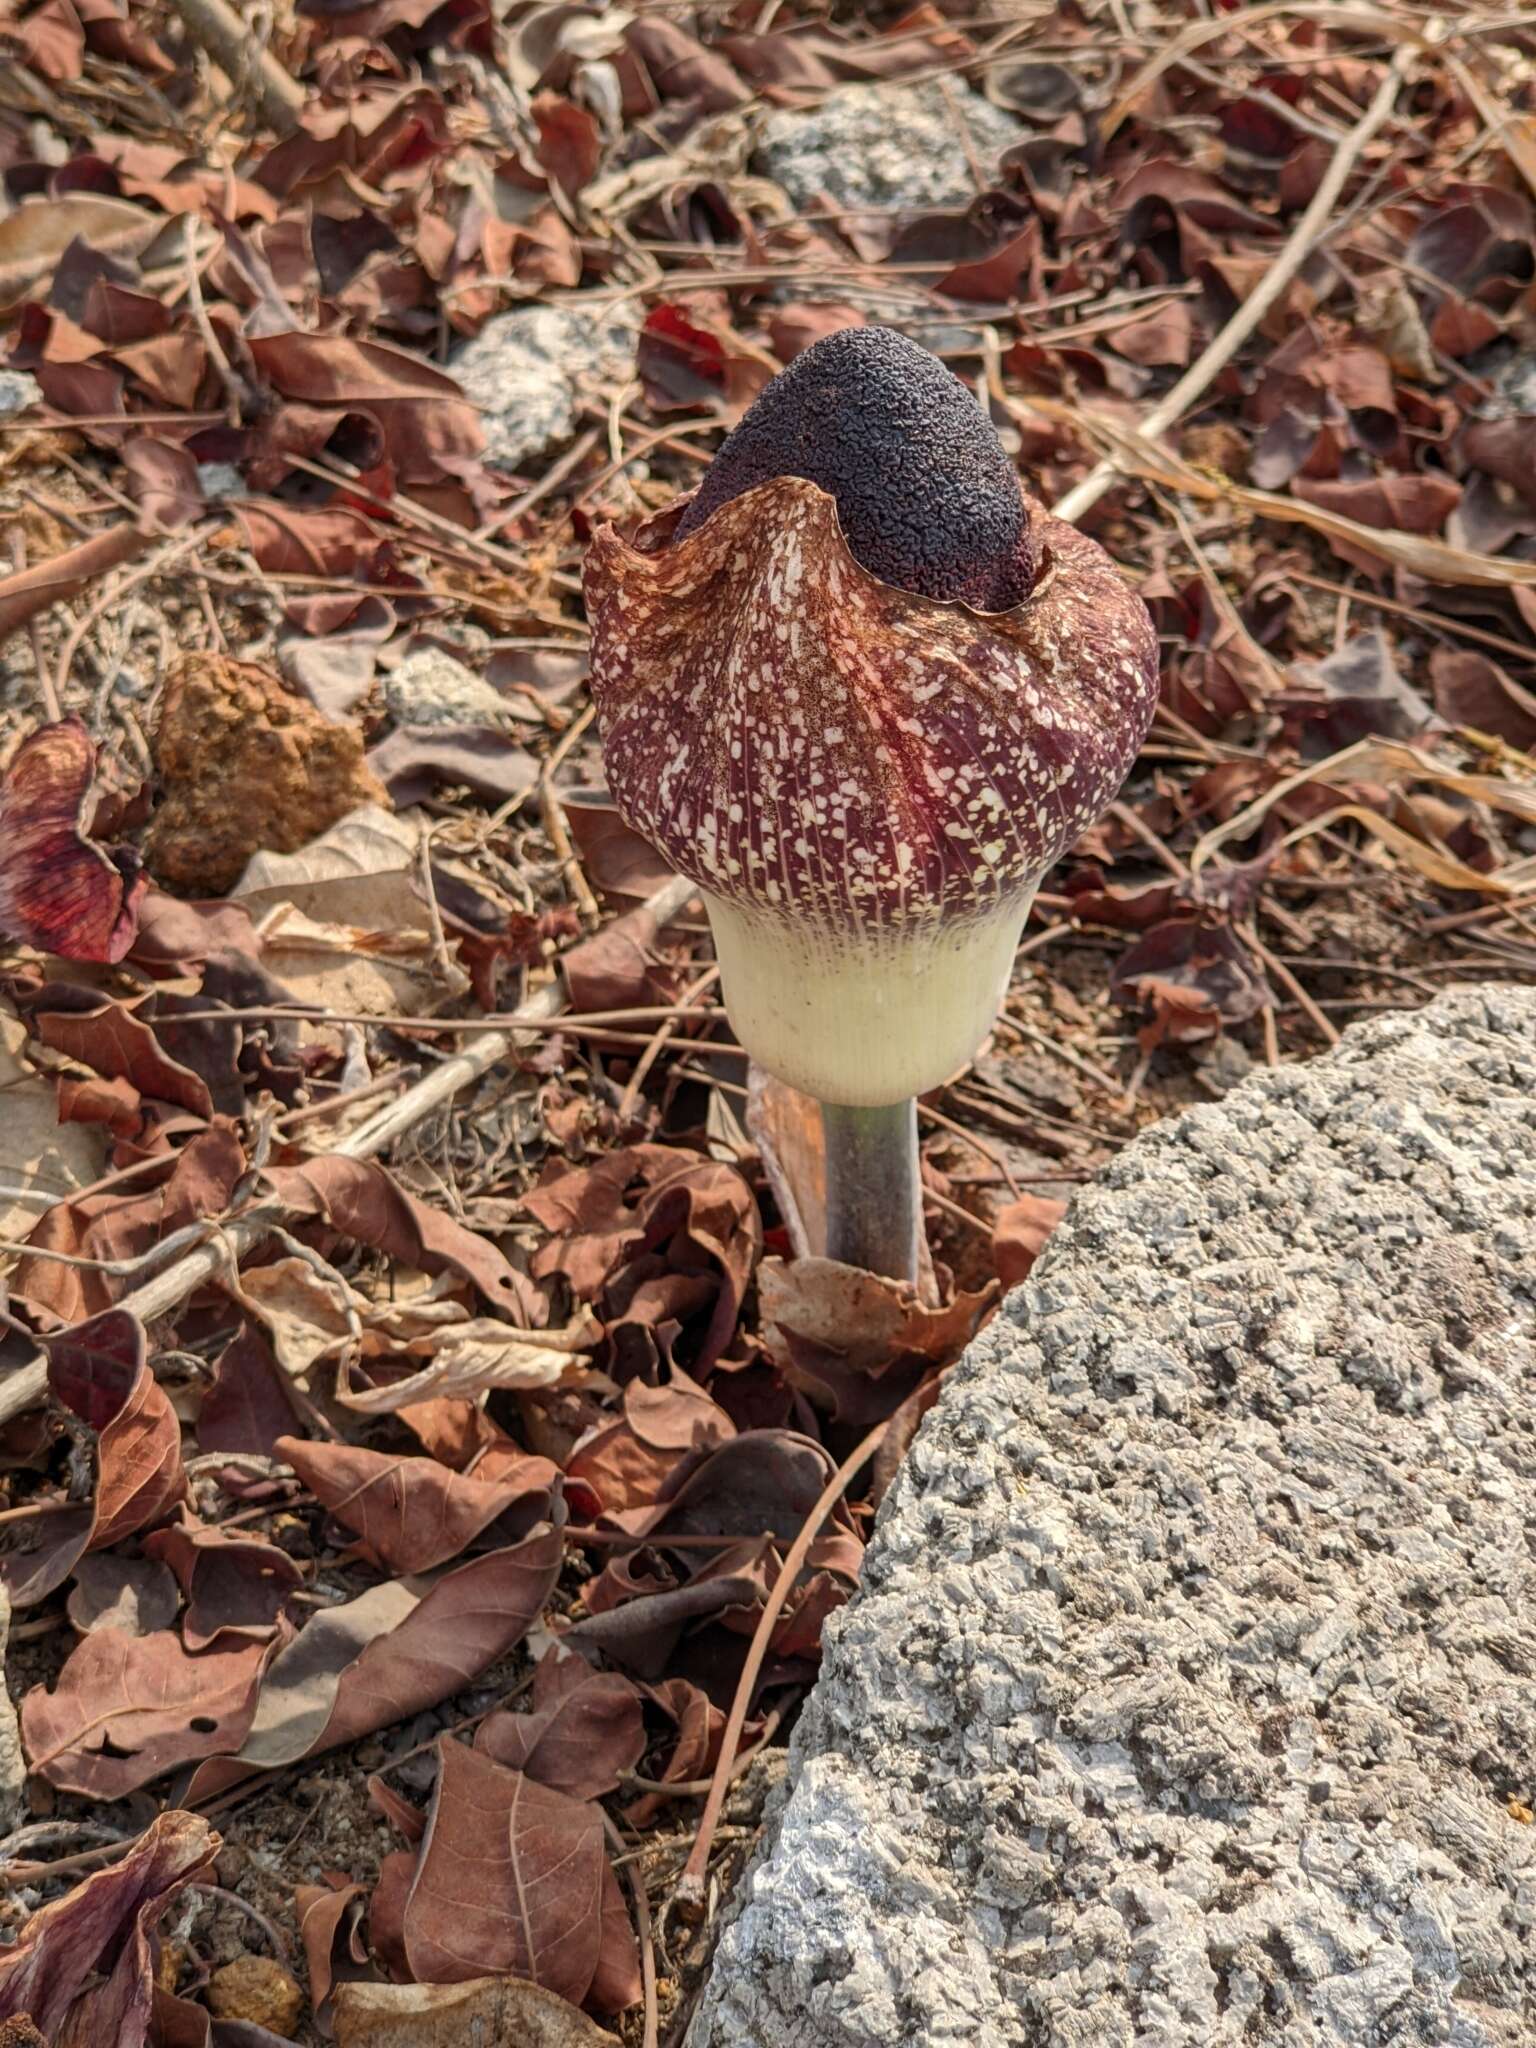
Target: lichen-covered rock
(526, 370)
(247, 767)
(433, 687)
(887, 146)
(1190, 1695)
(18, 389)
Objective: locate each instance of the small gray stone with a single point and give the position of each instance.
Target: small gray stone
(18, 390)
(887, 147)
(526, 370)
(1189, 1697)
(220, 480)
(431, 687)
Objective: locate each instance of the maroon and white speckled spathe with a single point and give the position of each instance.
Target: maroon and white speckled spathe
(806, 741)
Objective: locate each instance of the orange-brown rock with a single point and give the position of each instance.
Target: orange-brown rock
(247, 767)
(258, 1990)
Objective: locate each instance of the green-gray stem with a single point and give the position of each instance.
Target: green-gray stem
(874, 1195)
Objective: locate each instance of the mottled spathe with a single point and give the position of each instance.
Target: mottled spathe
(807, 741)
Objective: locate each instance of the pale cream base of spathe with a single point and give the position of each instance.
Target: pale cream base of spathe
(863, 1020)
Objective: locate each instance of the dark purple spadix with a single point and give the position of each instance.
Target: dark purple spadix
(925, 495)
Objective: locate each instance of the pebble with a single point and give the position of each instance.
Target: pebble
(527, 371)
(886, 146)
(433, 687)
(18, 390)
(258, 1990)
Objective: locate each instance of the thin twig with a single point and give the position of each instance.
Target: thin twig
(217, 29)
(1267, 293)
(664, 1032)
(690, 1886)
(632, 1877)
(558, 830)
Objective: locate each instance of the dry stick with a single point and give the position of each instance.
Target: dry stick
(64, 576)
(690, 1886)
(642, 1905)
(658, 1042)
(50, 696)
(556, 829)
(216, 28)
(28, 1385)
(1299, 245)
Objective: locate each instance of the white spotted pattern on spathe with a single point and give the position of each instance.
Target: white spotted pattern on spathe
(797, 736)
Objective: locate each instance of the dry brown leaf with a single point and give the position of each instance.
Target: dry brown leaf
(490, 2012)
(36, 234)
(515, 1877)
(44, 1161)
(1384, 761)
(412, 1513)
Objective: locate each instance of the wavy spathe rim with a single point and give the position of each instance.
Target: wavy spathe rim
(804, 739)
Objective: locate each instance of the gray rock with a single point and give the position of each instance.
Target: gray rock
(1190, 1697)
(527, 370)
(18, 390)
(431, 687)
(886, 146)
(220, 480)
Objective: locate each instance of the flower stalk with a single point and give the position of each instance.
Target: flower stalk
(874, 1187)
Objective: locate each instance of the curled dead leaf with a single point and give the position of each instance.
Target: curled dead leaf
(492, 2012)
(59, 890)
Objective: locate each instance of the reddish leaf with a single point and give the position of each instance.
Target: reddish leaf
(115, 1103)
(1019, 1234)
(853, 1341)
(570, 141)
(627, 1460)
(649, 1199)
(616, 860)
(98, 1371)
(363, 1199)
(59, 890)
(247, 1408)
(83, 1967)
(126, 1709)
(695, 1749)
(330, 1926)
(390, 1653)
(642, 1633)
(117, 1042)
(411, 1513)
(792, 329)
(584, 1730)
(135, 1595)
(121, 1226)
(415, 759)
(1416, 504)
(1209, 962)
(513, 1878)
(236, 1586)
(1161, 338)
(681, 67)
(1472, 690)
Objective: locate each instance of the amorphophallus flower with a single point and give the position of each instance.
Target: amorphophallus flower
(864, 691)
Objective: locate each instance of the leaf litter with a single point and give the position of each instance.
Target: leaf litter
(422, 1379)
